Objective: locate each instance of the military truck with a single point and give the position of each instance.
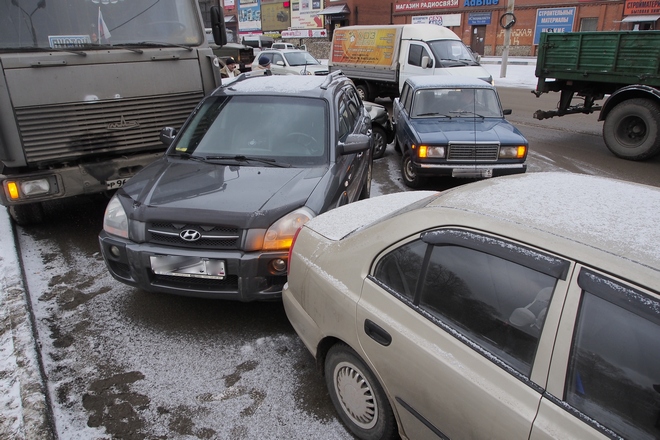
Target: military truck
(621, 67)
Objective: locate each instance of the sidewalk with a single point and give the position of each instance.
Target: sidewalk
(520, 61)
(25, 410)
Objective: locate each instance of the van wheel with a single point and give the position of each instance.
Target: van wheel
(632, 129)
(357, 396)
(410, 177)
(363, 92)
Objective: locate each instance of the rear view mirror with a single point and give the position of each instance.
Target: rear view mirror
(167, 135)
(354, 143)
(218, 26)
(507, 111)
(426, 62)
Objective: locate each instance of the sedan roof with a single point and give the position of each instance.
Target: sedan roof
(445, 81)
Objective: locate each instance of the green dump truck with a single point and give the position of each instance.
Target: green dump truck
(623, 67)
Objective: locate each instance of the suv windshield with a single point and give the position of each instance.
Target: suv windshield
(452, 53)
(300, 59)
(453, 103)
(65, 24)
(285, 129)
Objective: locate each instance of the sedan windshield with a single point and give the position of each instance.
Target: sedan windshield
(65, 24)
(456, 103)
(291, 130)
(300, 59)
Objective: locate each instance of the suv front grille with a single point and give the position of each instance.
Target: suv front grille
(473, 152)
(212, 237)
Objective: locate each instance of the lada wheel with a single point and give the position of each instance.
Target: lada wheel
(410, 177)
(632, 129)
(380, 142)
(357, 396)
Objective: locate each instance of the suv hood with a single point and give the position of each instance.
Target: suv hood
(248, 196)
(444, 130)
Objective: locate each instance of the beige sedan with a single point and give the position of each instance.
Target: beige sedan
(521, 307)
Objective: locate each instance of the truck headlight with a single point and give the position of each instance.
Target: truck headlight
(513, 152)
(115, 221)
(25, 189)
(280, 235)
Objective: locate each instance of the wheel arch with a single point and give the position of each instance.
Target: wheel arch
(626, 93)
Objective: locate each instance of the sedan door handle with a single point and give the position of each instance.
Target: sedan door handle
(377, 333)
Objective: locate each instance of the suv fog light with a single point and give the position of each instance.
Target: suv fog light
(278, 265)
(114, 250)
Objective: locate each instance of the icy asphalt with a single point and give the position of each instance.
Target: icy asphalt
(24, 406)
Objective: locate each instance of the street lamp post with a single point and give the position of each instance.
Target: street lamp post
(507, 24)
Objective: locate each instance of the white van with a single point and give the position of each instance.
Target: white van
(283, 46)
(258, 42)
(379, 59)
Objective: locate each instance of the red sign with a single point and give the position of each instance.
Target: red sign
(421, 6)
(642, 7)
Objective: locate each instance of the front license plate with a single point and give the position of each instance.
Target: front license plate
(472, 172)
(191, 267)
(116, 183)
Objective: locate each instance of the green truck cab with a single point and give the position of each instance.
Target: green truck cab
(621, 67)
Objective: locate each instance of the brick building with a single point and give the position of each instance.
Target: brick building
(480, 23)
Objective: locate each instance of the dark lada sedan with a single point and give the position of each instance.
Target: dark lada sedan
(452, 126)
(215, 216)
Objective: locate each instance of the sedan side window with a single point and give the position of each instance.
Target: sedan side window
(399, 270)
(498, 304)
(614, 368)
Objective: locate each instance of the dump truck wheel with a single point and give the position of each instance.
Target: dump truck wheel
(632, 129)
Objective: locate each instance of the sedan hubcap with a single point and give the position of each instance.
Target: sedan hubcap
(355, 395)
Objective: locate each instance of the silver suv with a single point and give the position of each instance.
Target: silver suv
(291, 62)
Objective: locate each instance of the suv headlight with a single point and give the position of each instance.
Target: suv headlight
(280, 235)
(115, 221)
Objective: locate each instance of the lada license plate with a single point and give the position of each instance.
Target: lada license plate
(115, 183)
(472, 172)
(191, 267)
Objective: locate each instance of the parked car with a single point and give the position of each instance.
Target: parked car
(381, 126)
(283, 46)
(257, 158)
(519, 307)
(455, 126)
(291, 62)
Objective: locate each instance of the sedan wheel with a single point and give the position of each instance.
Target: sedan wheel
(380, 142)
(410, 177)
(357, 396)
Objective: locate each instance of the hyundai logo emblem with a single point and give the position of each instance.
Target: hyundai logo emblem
(190, 235)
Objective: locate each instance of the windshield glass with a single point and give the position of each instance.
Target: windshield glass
(300, 58)
(285, 129)
(66, 24)
(452, 53)
(456, 103)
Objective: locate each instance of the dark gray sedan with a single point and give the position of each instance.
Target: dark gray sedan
(452, 126)
(256, 160)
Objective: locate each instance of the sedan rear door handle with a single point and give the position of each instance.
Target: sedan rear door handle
(377, 333)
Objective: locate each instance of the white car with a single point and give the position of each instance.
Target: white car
(291, 62)
(518, 307)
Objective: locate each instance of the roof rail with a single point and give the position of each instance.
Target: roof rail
(247, 75)
(330, 77)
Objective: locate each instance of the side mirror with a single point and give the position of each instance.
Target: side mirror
(280, 63)
(507, 111)
(218, 27)
(426, 62)
(355, 143)
(167, 135)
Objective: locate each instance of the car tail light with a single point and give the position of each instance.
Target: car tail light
(293, 243)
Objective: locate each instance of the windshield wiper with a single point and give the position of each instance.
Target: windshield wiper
(241, 158)
(188, 156)
(47, 49)
(161, 44)
(113, 46)
(463, 112)
(434, 114)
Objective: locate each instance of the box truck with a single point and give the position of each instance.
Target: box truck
(379, 59)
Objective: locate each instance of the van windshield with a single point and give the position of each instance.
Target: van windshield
(451, 53)
(70, 24)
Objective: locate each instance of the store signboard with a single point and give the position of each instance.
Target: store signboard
(555, 20)
(479, 18)
(447, 20)
(641, 7)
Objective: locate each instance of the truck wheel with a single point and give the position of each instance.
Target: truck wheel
(632, 129)
(30, 214)
(410, 177)
(380, 142)
(363, 92)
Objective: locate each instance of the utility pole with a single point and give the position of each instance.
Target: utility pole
(507, 21)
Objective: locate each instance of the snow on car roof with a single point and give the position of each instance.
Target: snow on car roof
(614, 216)
(281, 84)
(443, 81)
